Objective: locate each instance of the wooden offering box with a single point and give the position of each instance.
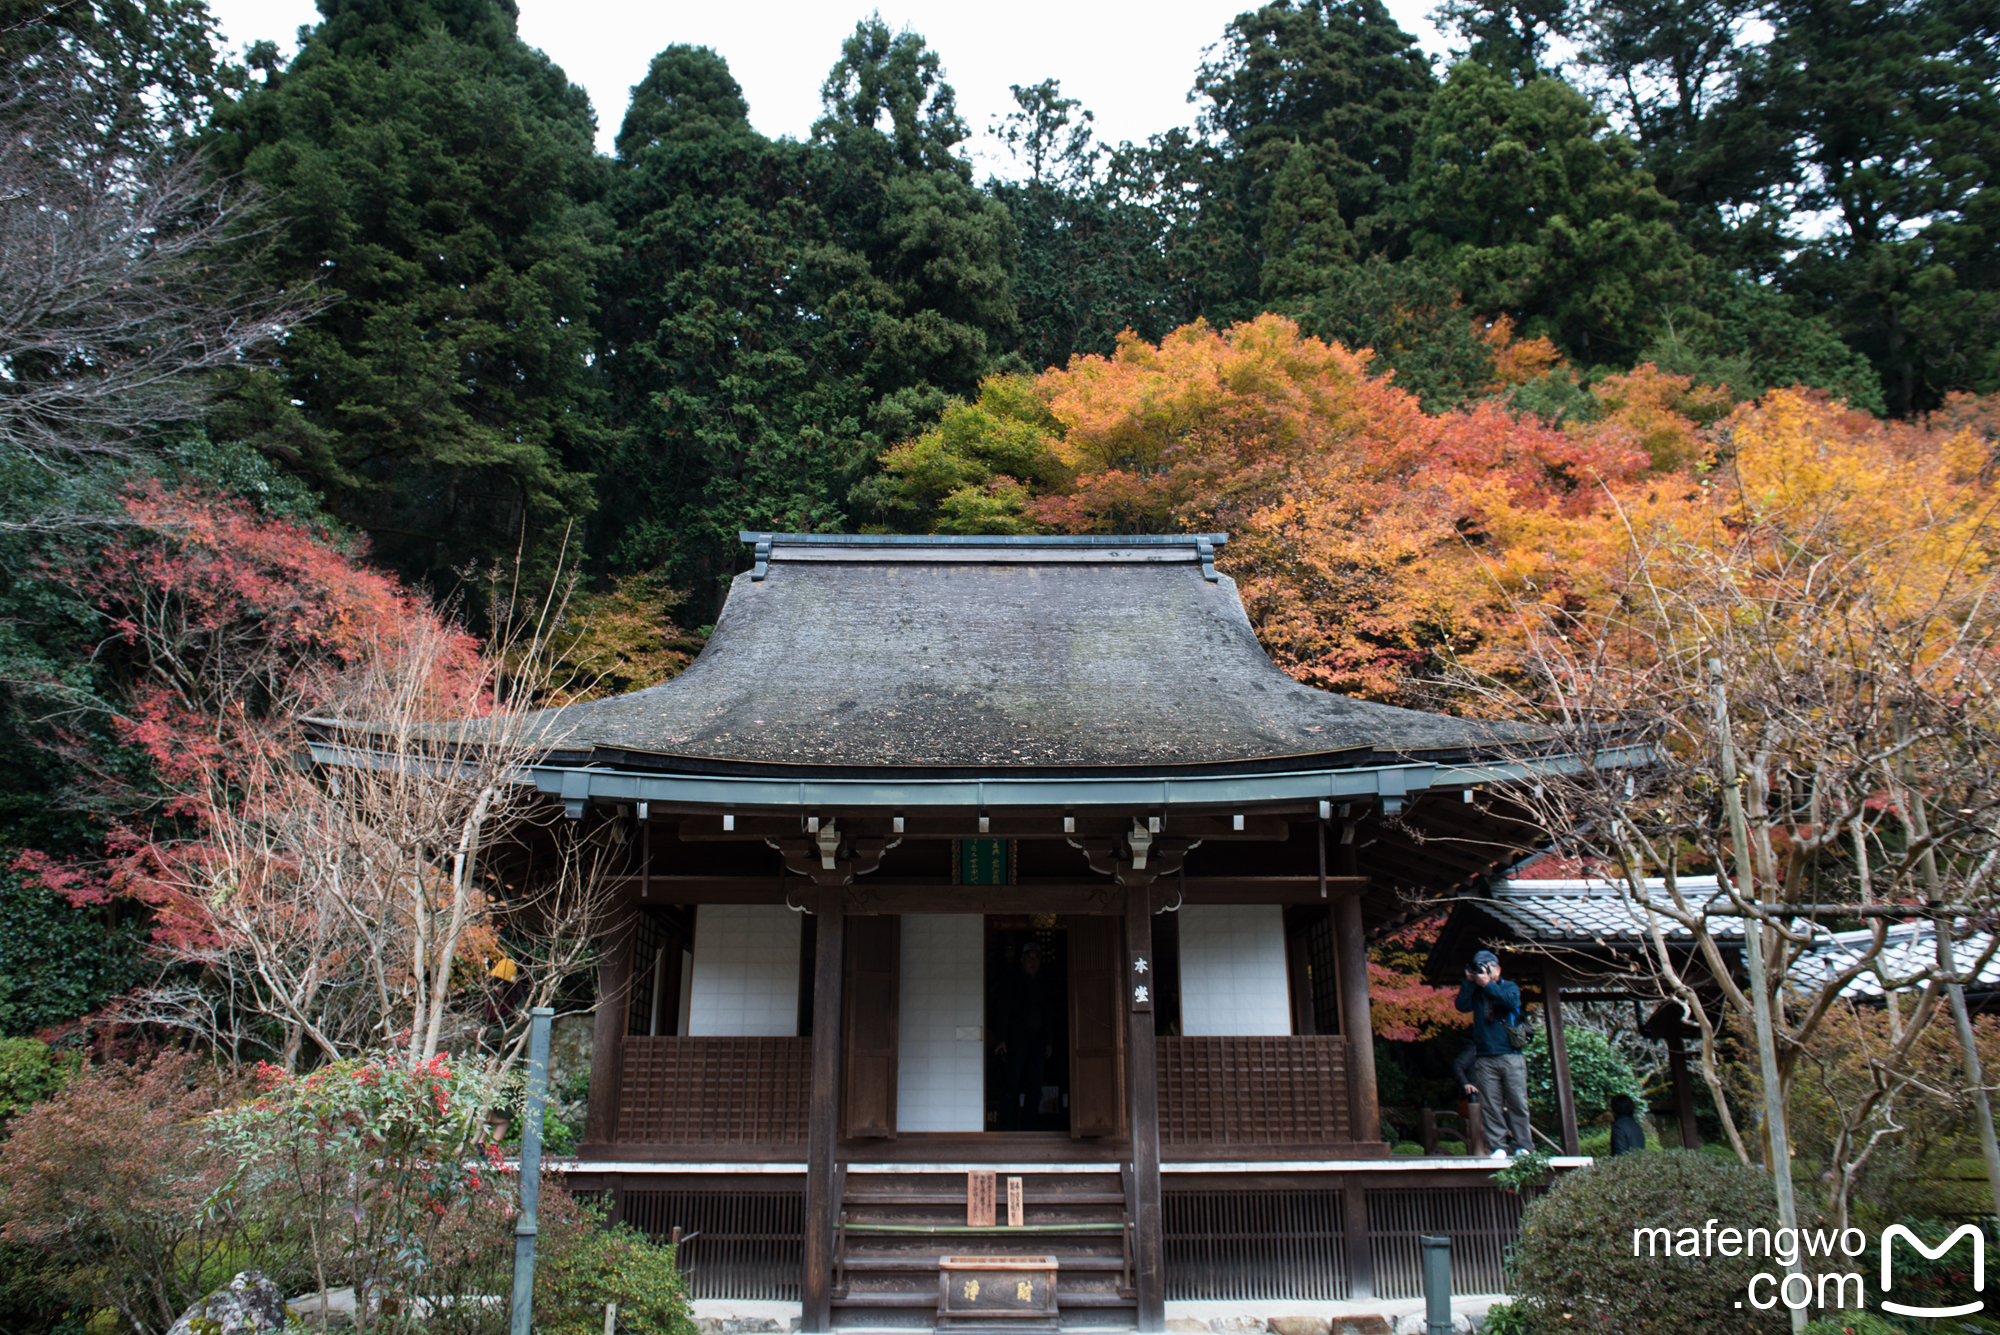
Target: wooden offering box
(994, 1292)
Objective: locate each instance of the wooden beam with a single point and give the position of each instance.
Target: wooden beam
(873, 894)
(1143, 1092)
(1262, 828)
(822, 1200)
(1559, 1056)
(1677, 1068)
(1351, 959)
(607, 1034)
(1356, 1022)
(1360, 1244)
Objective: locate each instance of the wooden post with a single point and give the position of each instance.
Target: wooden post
(1360, 1245)
(822, 1204)
(607, 1034)
(1143, 1096)
(1677, 1067)
(1552, 1008)
(1475, 1131)
(1364, 1112)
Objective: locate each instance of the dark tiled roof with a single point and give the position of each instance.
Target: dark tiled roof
(1580, 914)
(1909, 950)
(1594, 912)
(1030, 654)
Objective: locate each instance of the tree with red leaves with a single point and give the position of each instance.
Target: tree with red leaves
(332, 908)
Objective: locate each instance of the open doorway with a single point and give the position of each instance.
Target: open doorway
(1027, 1024)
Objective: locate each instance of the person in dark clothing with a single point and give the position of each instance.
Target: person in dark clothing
(1024, 1043)
(1501, 1072)
(1626, 1133)
(1468, 1088)
(1461, 1069)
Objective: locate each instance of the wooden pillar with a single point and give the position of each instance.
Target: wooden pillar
(607, 1034)
(1358, 1027)
(1475, 1131)
(1364, 1112)
(1559, 1057)
(614, 1199)
(822, 1193)
(1360, 1244)
(1677, 1067)
(1149, 1262)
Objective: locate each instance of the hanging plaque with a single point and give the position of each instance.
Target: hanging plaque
(1014, 1211)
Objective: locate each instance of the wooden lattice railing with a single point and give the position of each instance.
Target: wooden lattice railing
(712, 1091)
(1253, 1090)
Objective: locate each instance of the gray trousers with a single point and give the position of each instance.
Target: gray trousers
(1503, 1100)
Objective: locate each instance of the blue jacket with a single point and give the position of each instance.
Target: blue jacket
(1491, 1007)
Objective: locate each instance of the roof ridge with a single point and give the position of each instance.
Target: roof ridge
(1112, 540)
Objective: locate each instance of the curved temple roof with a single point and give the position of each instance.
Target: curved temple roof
(1012, 654)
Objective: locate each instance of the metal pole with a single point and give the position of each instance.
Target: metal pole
(1437, 1283)
(531, 1168)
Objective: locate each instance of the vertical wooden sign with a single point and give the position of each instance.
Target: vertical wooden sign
(1140, 981)
(979, 1198)
(1014, 1211)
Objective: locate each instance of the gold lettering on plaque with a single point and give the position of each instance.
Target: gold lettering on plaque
(972, 1290)
(1024, 1291)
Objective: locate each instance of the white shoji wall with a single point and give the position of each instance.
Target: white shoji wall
(940, 1069)
(746, 971)
(1233, 970)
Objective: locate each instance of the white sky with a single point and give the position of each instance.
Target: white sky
(1130, 61)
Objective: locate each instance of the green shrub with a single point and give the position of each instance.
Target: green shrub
(1574, 1267)
(588, 1265)
(1853, 1323)
(1596, 1072)
(30, 1071)
(374, 1172)
(107, 1179)
(1506, 1319)
(1406, 1147)
(58, 961)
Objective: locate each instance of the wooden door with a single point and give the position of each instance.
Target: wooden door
(1096, 1026)
(868, 1025)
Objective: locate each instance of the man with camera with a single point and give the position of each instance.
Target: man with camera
(1499, 1068)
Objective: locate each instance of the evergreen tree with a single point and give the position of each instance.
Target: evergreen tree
(438, 179)
(1304, 239)
(1753, 338)
(1337, 78)
(1181, 184)
(1536, 210)
(1890, 110)
(1677, 75)
(1511, 35)
(1412, 318)
(738, 397)
(1088, 264)
(927, 277)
